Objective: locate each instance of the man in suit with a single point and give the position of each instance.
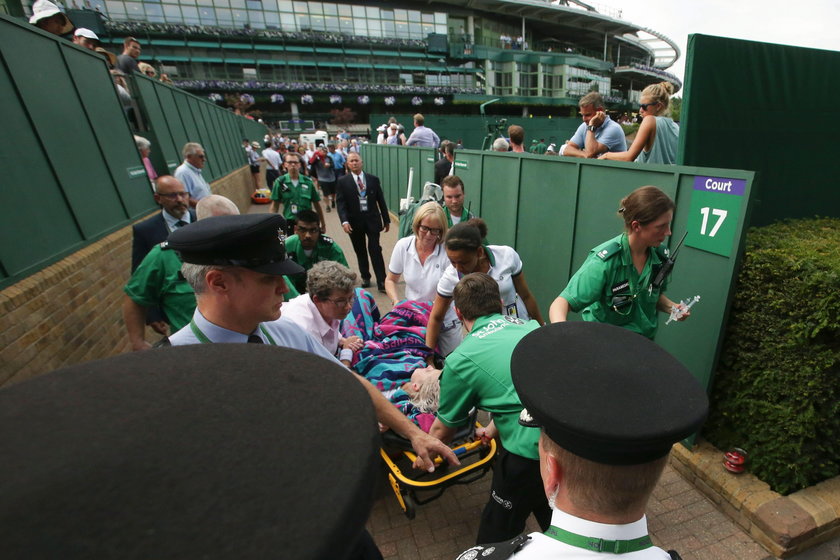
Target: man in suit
(175, 212)
(363, 213)
(443, 167)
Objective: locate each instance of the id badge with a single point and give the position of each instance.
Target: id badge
(363, 205)
(294, 209)
(511, 311)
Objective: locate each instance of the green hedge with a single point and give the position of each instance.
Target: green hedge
(777, 388)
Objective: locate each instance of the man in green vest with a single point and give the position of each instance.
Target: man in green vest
(309, 246)
(477, 375)
(295, 192)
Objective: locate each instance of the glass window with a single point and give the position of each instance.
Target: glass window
(288, 22)
(172, 13)
(331, 24)
(346, 24)
(207, 16)
(386, 14)
(249, 73)
(374, 28)
(224, 16)
(345, 10)
(360, 27)
(401, 15)
(116, 8)
(210, 3)
(414, 16)
(426, 29)
(237, 4)
(285, 6)
(154, 13)
(315, 8)
(388, 29)
(304, 23)
(372, 13)
(190, 15)
(427, 18)
(272, 20)
(401, 30)
(440, 18)
(253, 4)
(135, 10)
(330, 10)
(256, 19)
(240, 17)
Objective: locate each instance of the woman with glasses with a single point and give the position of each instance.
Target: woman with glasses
(658, 136)
(328, 300)
(467, 254)
(615, 284)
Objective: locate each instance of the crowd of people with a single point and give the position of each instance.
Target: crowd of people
(261, 85)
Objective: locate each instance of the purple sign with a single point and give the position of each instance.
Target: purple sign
(720, 185)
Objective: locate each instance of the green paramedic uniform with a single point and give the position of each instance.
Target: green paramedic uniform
(326, 249)
(477, 374)
(465, 215)
(607, 272)
(157, 281)
(294, 198)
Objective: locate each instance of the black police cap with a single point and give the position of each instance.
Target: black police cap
(251, 240)
(207, 451)
(605, 393)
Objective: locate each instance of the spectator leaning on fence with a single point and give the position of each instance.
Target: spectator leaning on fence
(189, 172)
(422, 136)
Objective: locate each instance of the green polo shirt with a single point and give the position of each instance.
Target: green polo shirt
(477, 374)
(157, 282)
(294, 198)
(325, 250)
(608, 271)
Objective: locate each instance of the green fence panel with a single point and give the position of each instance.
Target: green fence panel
(553, 211)
(740, 111)
(70, 172)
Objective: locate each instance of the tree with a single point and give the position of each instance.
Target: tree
(676, 107)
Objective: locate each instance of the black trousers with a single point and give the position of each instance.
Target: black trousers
(271, 175)
(365, 242)
(517, 491)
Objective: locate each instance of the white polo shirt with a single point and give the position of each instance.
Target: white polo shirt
(421, 280)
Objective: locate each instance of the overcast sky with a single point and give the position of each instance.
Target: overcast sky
(807, 23)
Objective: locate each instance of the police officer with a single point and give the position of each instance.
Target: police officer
(236, 264)
(608, 423)
(295, 192)
(477, 374)
(220, 451)
(615, 283)
(309, 246)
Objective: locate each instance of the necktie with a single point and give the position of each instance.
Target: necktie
(180, 223)
(361, 186)
(254, 339)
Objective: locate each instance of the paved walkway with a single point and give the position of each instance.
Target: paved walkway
(679, 517)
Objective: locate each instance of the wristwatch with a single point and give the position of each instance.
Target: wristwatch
(591, 128)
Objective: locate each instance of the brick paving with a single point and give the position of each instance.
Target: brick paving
(679, 516)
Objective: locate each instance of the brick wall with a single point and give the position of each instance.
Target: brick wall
(70, 312)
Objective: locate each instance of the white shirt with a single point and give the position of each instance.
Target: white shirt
(302, 311)
(421, 280)
(507, 265)
(172, 220)
(273, 158)
(542, 546)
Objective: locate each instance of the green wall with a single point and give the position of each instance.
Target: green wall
(70, 172)
(554, 210)
(471, 128)
(769, 108)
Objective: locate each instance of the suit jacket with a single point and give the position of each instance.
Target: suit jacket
(442, 169)
(349, 210)
(147, 234)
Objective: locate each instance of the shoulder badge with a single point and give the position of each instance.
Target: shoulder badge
(164, 246)
(327, 239)
(611, 249)
(495, 551)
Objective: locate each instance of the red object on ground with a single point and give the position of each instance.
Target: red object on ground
(735, 460)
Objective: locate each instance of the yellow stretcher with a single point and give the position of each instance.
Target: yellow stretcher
(414, 487)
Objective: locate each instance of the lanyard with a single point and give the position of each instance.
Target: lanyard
(598, 545)
(202, 338)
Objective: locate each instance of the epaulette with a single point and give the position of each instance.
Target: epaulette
(327, 239)
(612, 248)
(495, 551)
(164, 246)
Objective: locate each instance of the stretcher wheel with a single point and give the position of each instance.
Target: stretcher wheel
(410, 506)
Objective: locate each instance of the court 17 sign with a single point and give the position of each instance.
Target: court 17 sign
(714, 214)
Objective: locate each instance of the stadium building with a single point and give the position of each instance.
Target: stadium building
(311, 57)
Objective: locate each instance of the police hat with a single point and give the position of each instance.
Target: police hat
(206, 451)
(252, 241)
(605, 393)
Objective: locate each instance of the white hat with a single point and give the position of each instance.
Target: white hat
(43, 9)
(86, 33)
(381, 128)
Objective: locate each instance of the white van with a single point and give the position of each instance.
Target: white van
(319, 138)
